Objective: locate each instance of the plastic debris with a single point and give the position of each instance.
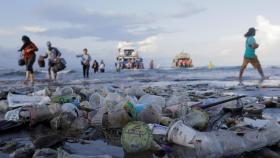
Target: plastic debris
(156, 102)
(197, 119)
(15, 100)
(158, 129)
(181, 134)
(44, 92)
(135, 91)
(96, 117)
(70, 108)
(254, 108)
(13, 115)
(85, 105)
(136, 137)
(177, 120)
(96, 101)
(25, 152)
(142, 112)
(45, 152)
(65, 91)
(117, 118)
(62, 122)
(223, 143)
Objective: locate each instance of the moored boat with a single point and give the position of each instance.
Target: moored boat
(182, 60)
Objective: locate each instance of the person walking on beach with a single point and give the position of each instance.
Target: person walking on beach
(52, 54)
(86, 58)
(28, 48)
(102, 66)
(95, 66)
(250, 56)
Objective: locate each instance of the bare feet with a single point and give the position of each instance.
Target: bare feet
(240, 83)
(264, 78)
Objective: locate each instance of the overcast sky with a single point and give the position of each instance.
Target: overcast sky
(159, 29)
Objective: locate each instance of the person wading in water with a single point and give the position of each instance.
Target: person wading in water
(250, 56)
(28, 48)
(86, 58)
(52, 54)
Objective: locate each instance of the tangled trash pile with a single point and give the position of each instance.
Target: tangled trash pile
(175, 121)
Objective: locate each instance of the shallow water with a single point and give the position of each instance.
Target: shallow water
(200, 73)
(221, 77)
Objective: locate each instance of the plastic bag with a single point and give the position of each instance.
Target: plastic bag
(16, 100)
(12, 115)
(156, 102)
(223, 143)
(41, 62)
(21, 62)
(70, 108)
(142, 112)
(60, 65)
(65, 91)
(96, 101)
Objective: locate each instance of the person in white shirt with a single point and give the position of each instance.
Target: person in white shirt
(85, 61)
(102, 67)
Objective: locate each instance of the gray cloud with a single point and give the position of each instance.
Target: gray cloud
(104, 26)
(78, 15)
(188, 8)
(187, 12)
(108, 32)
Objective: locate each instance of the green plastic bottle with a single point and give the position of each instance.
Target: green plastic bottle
(62, 99)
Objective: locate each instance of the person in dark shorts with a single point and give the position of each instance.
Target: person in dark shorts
(52, 54)
(86, 58)
(28, 48)
(250, 56)
(95, 66)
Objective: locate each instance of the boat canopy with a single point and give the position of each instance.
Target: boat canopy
(182, 55)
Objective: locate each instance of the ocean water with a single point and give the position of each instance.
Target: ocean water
(163, 74)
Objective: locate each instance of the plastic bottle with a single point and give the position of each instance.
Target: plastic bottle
(62, 99)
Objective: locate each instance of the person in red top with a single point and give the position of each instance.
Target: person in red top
(28, 48)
